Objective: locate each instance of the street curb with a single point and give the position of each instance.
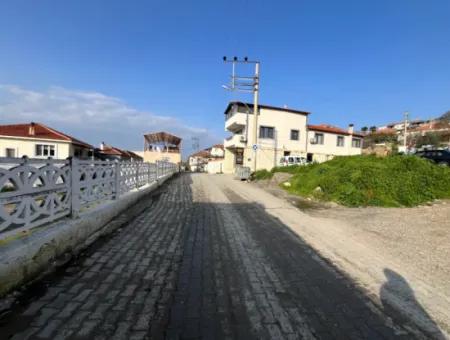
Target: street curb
(30, 257)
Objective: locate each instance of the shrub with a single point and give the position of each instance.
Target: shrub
(262, 174)
(371, 181)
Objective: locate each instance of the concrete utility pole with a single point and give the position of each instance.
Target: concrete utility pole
(406, 131)
(195, 147)
(247, 84)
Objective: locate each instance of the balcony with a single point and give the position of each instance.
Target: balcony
(236, 121)
(235, 141)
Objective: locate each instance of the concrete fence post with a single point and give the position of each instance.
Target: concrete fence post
(137, 174)
(157, 169)
(74, 187)
(117, 180)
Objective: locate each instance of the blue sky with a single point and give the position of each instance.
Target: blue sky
(127, 67)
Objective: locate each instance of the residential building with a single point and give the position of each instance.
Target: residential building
(281, 132)
(326, 141)
(216, 151)
(108, 152)
(198, 161)
(161, 146)
(36, 140)
(210, 160)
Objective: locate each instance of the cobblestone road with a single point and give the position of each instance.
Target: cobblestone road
(200, 262)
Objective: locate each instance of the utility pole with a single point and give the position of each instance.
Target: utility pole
(406, 131)
(247, 84)
(195, 147)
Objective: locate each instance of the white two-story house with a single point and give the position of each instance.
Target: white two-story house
(281, 132)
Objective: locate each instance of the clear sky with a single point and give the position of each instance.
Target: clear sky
(111, 70)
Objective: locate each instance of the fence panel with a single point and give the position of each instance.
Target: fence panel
(33, 192)
(94, 181)
(37, 191)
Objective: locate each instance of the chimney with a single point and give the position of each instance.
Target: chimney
(31, 129)
(350, 129)
(102, 146)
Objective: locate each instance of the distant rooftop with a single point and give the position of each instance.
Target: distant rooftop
(39, 131)
(269, 107)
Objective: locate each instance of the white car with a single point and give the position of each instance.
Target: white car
(292, 160)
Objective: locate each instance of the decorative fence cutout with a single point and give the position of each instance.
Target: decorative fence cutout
(35, 191)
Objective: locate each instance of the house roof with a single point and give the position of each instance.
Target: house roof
(113, 151)
(201, 153)
(41, 131)
(218, 146)
(332, 129)
(162, 137)
(250, 105)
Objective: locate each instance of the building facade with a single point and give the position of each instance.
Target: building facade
(281, 132)
(35, 140)
(326, 142)
(161, 146)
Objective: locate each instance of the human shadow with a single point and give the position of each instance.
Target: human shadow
(396, 295)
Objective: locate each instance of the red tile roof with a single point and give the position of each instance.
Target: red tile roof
(201, 154)
(332, 129)
(40, 132)
(111, 150)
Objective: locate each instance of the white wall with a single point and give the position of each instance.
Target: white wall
(329, 149)
(27, 147)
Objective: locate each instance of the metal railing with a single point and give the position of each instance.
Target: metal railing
(37, 191)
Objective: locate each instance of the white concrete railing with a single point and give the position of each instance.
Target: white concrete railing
(37, 191)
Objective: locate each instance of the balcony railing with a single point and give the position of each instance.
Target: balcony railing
(235, 141)
(236, 121)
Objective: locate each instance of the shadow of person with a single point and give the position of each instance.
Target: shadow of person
(400, 303)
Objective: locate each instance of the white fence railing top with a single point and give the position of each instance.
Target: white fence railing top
(38, 191)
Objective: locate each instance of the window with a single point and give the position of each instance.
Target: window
(295, 134)
(356, 142)
(340, 141)
(266, 132)
(11, 153)
(44, 150)
(318, 138)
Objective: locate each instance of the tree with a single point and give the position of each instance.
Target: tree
(430, 138)
(364, 129)
(445, 117)
(373, 129)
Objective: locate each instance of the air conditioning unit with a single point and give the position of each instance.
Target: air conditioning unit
(242, 139)
(312, 141)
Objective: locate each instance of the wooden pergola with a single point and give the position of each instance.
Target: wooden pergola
(162, 141)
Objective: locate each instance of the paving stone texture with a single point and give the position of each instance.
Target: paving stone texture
(191, 267)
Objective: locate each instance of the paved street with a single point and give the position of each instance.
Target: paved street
(201, 262)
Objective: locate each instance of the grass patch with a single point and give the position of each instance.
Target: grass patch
(371, 181)
(261, 174)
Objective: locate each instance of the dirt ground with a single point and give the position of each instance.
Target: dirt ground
(416, 241)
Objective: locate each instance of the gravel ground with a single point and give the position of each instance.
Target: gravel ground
(363, 241)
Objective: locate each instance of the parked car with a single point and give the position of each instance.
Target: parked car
(441, 157)
(292, 160)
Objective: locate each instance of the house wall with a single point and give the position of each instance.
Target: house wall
(269, 150)
(329, 148)
(153, 156)
(215, 166)
(217, 152)
(27, 147)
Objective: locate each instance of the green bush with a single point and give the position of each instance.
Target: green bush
(371, 181)
(262, 174)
